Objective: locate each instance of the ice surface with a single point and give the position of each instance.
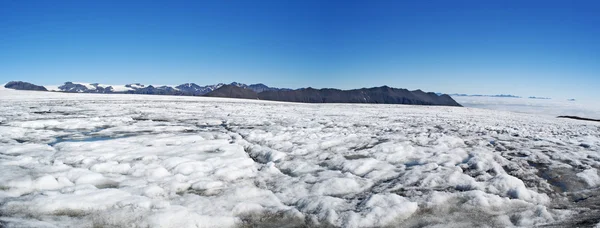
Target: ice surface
(114, 160)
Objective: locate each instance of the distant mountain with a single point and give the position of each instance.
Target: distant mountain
(542, 98)
(376, 95)
(479, 95)
(257, 87)
(19, 85)
(134, 86)
(578, 118)
(242, 85)
(190, 89)
(233, 91)
(85, 88)
(160, 90)
(262, 87)
(197, 90)
(499, 95)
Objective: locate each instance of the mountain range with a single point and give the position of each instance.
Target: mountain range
(190, 89)
(377, 95)
(541, 98)
(481, 95)
(499, 95)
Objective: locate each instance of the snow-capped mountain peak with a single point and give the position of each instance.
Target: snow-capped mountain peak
(137, 88)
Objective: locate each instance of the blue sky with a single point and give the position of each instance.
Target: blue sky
(528, 48)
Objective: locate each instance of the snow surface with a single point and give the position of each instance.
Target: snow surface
(52, 87)
(118, 88)
(550, 107)
(115, 160)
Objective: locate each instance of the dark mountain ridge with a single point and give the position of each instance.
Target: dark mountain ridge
(375, 95)
(232, 91)
(19, 85)
(578, 118)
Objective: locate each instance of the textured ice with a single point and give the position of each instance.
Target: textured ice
(97, 160)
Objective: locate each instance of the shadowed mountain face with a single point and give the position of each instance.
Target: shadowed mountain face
(232, 91)
(18, 85)
(377, 95)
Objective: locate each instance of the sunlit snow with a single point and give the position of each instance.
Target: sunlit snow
(111, 160)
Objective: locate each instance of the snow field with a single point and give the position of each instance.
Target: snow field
(92, 160)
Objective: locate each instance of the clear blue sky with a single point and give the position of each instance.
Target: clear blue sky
(537, 48)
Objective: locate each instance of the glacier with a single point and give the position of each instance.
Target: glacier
(120, 160)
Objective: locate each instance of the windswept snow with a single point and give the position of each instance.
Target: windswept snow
(98, 160)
